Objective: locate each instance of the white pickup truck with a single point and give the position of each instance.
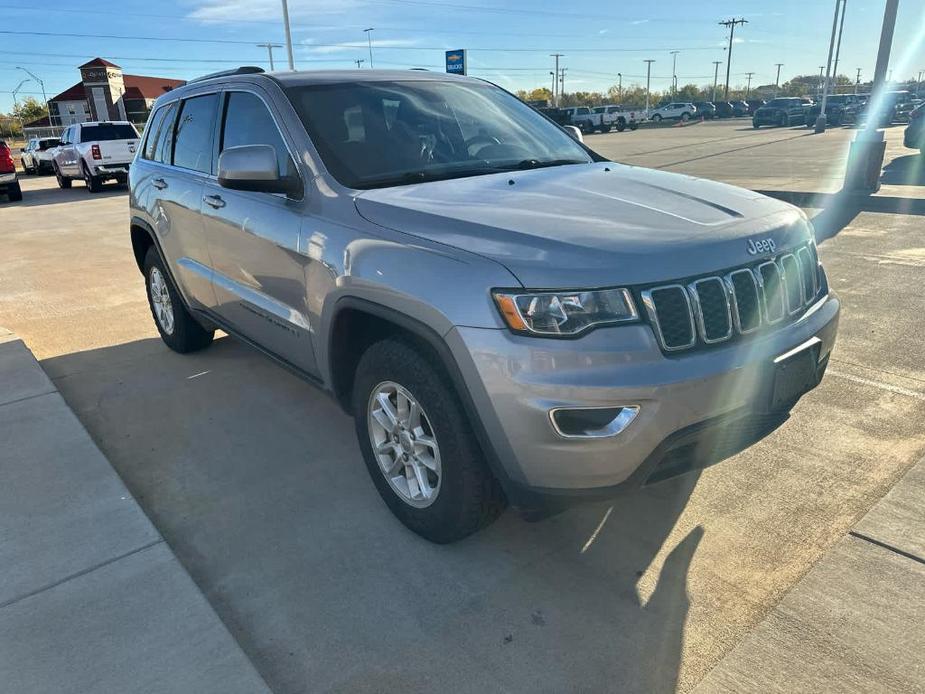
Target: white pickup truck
(97, 151)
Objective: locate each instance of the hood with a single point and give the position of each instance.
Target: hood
(590, 225)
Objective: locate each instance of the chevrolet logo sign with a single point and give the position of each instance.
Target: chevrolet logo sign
(454, 57)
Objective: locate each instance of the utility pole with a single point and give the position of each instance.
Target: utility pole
(288, 34)
(369, 42)
(731, 24)
(716, 64)
(748, 87)
(555, 87)
(270, 47)
(648, 81)
(918, 83)
(620, 85)
(553, 90)
(674, 73)
(819, 86)
(777, 79)
(857, 82)
(359, 62)
(562, 82)
(841, 29)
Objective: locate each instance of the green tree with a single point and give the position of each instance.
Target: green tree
(30, 109)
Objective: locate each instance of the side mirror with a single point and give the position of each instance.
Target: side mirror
(574, 132)
(254, 168)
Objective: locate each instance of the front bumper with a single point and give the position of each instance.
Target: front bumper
(515, 381)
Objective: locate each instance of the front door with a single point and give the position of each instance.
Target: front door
(254, 240)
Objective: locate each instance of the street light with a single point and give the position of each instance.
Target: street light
(777, 80)
(42, 85)
(674, 73)
(620, 85)
(716, 64)
(359, 62)
(288, 34)
(369, 42)
(648, 80)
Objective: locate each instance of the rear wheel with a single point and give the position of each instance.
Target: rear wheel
(94, 183)
(14, 192)
(633, 125)
(25, 168)
(177, 327)
(621, 125)
(685, 117)
(63, 181)
(657, 117)
(418, 444)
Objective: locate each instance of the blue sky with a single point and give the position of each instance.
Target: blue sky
(509, 42)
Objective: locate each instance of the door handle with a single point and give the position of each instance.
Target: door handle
(214, 201)
(159, 183)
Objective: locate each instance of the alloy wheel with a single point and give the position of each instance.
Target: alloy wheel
(160, 300)
(404, 444)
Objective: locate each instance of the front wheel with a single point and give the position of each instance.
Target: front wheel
(685, 117)
(657, 117)
(14, 192)
(177, 327)
(621, 125)
(418, 444)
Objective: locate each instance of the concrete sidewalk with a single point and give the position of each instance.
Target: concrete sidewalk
(855, 622)
(91, 597)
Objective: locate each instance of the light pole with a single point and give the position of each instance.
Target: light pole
(288, 34)
(777, 79)
(42, 85)
(819, 87)
(369, 42)
(674, 73)
(731, 23)
(270, 47)
(748, 86)
(841, 29)
(716, 64)
(555, 79)
(562, 82)
(857, 82)
(648, 81)
(16, 103)
(553, 90)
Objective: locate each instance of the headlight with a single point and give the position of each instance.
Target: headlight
(566, 313)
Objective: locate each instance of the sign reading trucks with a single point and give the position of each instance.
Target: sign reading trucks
(456, 62)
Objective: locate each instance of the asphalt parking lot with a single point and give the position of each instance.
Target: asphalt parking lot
(255, 480)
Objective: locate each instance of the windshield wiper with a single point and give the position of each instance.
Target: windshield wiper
(543, 163)
(424, 176)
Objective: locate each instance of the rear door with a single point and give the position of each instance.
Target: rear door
(259, 274)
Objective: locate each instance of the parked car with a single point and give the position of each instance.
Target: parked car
(678, 110)
(739, 108)
(893, 107)
(507, 316)
(36, 156)
(783, 111)
(754, 105)
(586, 120)
(723, 109)
(96, 151)
(914, 136)
(705, 109)
(9, 184)
(556, 115)
(839, 109)
(619, 117)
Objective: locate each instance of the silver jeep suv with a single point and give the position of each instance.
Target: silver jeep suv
(507, 316)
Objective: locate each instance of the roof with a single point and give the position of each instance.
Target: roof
(308, 77)
(42, 122)
(136, 87)
(97, 62)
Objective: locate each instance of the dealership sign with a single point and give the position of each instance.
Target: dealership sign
(456, 62)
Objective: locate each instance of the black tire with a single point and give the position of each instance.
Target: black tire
(621, 125)
(187, 334)
(14, 192)
(755, 124)
(122, 180)
(633, 125)
(94, 183)
(605, 128)
(685, 117)
(63, 181)
(657, 117)
(469, 497)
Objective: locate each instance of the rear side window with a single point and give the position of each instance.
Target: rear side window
(107, 131)
(154, 125)
(163, 147)
(248, 122)
(193, 140)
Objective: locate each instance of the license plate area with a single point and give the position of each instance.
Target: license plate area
(794, 373)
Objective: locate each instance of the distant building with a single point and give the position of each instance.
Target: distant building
(106, 93)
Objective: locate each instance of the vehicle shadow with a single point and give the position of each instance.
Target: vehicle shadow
(905, 171)
(35, 197)
(838, 210)
(255, 480)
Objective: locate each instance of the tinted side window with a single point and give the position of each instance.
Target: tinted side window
(193, 141)
(164, 145)
(248, 122)
(154, 125)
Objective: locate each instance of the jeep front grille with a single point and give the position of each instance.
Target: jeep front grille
(714, 309)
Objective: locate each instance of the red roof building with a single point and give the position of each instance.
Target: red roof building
(106, 93)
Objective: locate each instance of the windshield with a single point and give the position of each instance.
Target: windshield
(379, 134)
(107, 131)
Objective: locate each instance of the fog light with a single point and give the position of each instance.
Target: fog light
(592, 422)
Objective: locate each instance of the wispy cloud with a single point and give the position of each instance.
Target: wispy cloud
(640, 21)
(230, 11)
(310, 46)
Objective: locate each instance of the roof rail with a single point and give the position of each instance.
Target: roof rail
(243, 70)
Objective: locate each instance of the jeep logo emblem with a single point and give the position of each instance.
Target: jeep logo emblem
(761, 246)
